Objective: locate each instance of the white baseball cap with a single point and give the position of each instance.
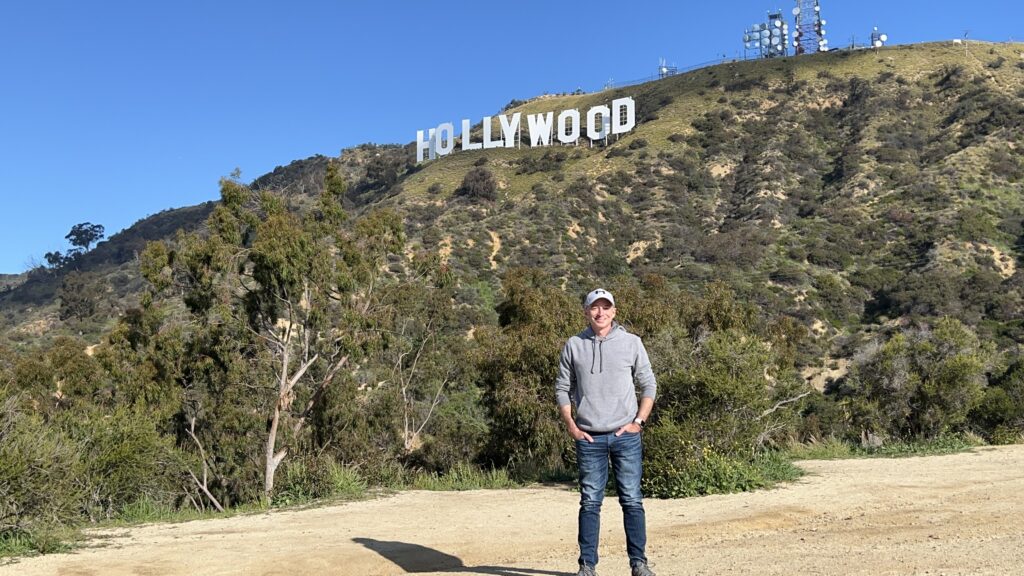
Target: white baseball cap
(597, 295)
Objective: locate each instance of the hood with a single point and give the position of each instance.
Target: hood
(596, 345)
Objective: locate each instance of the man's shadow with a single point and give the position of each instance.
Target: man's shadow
(413, 558)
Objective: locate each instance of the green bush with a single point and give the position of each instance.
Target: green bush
(675, 467)
(920, 384)
(478, 184)
(464, 477)
(41, 469)
(311, 477)
(1000, 414)
(125, 459)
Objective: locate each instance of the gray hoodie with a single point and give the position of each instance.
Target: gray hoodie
(597, 376)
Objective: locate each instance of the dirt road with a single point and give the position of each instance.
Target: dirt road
(957, 514)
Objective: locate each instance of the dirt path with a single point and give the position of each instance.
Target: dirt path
(957, 514)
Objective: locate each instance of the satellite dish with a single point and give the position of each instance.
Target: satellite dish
(822, 32)
(817, 8)
(823, 22)
(764, 42)
(764, 33)
(884, 38)
(796, 11)
(776, 41)
(778, 23)
(878, 43)
(796, 43)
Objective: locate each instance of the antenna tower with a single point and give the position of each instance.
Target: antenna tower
(809, 36)
(767, 40)
(664, 70)
(878, 39)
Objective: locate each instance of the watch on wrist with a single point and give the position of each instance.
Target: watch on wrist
(639, 422)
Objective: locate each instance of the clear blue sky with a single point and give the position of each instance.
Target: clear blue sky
(114, 110)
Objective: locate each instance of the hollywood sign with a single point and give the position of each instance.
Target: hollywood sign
(602, 120)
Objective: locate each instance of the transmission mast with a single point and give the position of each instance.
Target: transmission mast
(809, 36)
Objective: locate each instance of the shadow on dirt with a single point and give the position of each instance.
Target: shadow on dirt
(413, 558)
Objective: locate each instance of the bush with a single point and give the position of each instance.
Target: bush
(125, 459)
(40, 476)
(920, 384)
(310, 477)
(677, 468)
(478, 184)
(1000, 414)
(464, 477)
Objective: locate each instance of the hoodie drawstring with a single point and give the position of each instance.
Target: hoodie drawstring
(595, 347)
(593, 354)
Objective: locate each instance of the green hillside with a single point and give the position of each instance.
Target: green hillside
(820, 249)
(848, 190)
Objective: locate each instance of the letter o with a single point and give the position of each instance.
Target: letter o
(574, 135)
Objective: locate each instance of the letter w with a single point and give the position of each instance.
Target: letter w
(540, 128)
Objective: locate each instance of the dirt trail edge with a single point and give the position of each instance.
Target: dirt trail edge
(955, 514)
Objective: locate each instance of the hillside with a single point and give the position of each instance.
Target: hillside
(850, 190)
(818, 250)
(853, 191)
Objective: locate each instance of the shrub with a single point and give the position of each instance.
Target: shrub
(677, 468)
(40, 475)
(464, 477)
(920, 384)
(478, 183)
(125, 459)
(1000, 414)
(310, 477)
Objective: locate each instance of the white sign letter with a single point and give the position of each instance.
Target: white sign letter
(592, 130)
(620, 124)
(488, 143)
(422, 144)
(509, 129)
(444, 139)
(574, 135)
(540, 128)
(466, 143)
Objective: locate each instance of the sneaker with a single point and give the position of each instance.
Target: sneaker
(586, 571)
(642, 570)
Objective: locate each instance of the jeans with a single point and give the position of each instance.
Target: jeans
(626, 454)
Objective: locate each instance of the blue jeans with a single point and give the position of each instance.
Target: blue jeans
(626, 453)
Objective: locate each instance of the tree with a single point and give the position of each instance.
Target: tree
(517, 365)
(84, 235)
(80, 294)
(55, 259)
(275, 296)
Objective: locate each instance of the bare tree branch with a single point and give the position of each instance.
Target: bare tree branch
(202, 454)
(781, 404)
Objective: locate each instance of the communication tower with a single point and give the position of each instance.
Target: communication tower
(767, 40)
(878, 39)
(664, 70)
(809, 36)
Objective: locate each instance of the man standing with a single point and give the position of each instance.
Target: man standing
(596, 374)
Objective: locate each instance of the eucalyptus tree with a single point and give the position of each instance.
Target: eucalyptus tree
(271, 294)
